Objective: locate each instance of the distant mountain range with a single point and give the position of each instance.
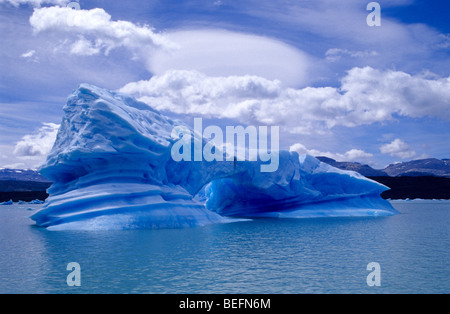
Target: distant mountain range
(22, 185)
(365, 170)
(416, 168)
(420, 168)
(21, 175)
(424, 179)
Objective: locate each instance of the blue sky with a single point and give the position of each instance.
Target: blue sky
(334, 85)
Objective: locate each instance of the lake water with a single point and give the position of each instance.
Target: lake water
(327, 255)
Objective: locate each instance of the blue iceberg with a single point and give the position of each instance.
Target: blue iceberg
(10, 202)
(111, 168)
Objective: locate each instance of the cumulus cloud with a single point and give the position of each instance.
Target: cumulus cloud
(196, 93)
(351, 155)
(94, 32)
(398, 148)
(38, 144)
(366, 96)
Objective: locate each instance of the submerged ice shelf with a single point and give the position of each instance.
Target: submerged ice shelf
(112, 169)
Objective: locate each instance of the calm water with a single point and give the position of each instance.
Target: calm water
(262, 256)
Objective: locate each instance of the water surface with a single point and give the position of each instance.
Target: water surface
(323, 255)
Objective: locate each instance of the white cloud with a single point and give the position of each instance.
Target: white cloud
(94, 32)
(398, 148)
(84, 47)
(357, 154)
(32, 150)
(35, 3)
(38, 144)
(351, 155)
(385, 93)
(366, 96)
(225, 53)
(28, 54)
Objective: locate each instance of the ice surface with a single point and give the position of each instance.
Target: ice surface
(304, 187)
(112, 169)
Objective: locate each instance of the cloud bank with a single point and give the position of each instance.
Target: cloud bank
(365, 96)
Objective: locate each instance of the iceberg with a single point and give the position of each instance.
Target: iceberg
(36, 202)
(111, 168)
(33, 202)
(310, 189)
(10, 202)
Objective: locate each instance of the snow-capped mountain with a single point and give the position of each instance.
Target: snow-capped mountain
(415, 168)
(365, 170)
(21, 175)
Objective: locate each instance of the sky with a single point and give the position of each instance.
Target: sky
(336, 86)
